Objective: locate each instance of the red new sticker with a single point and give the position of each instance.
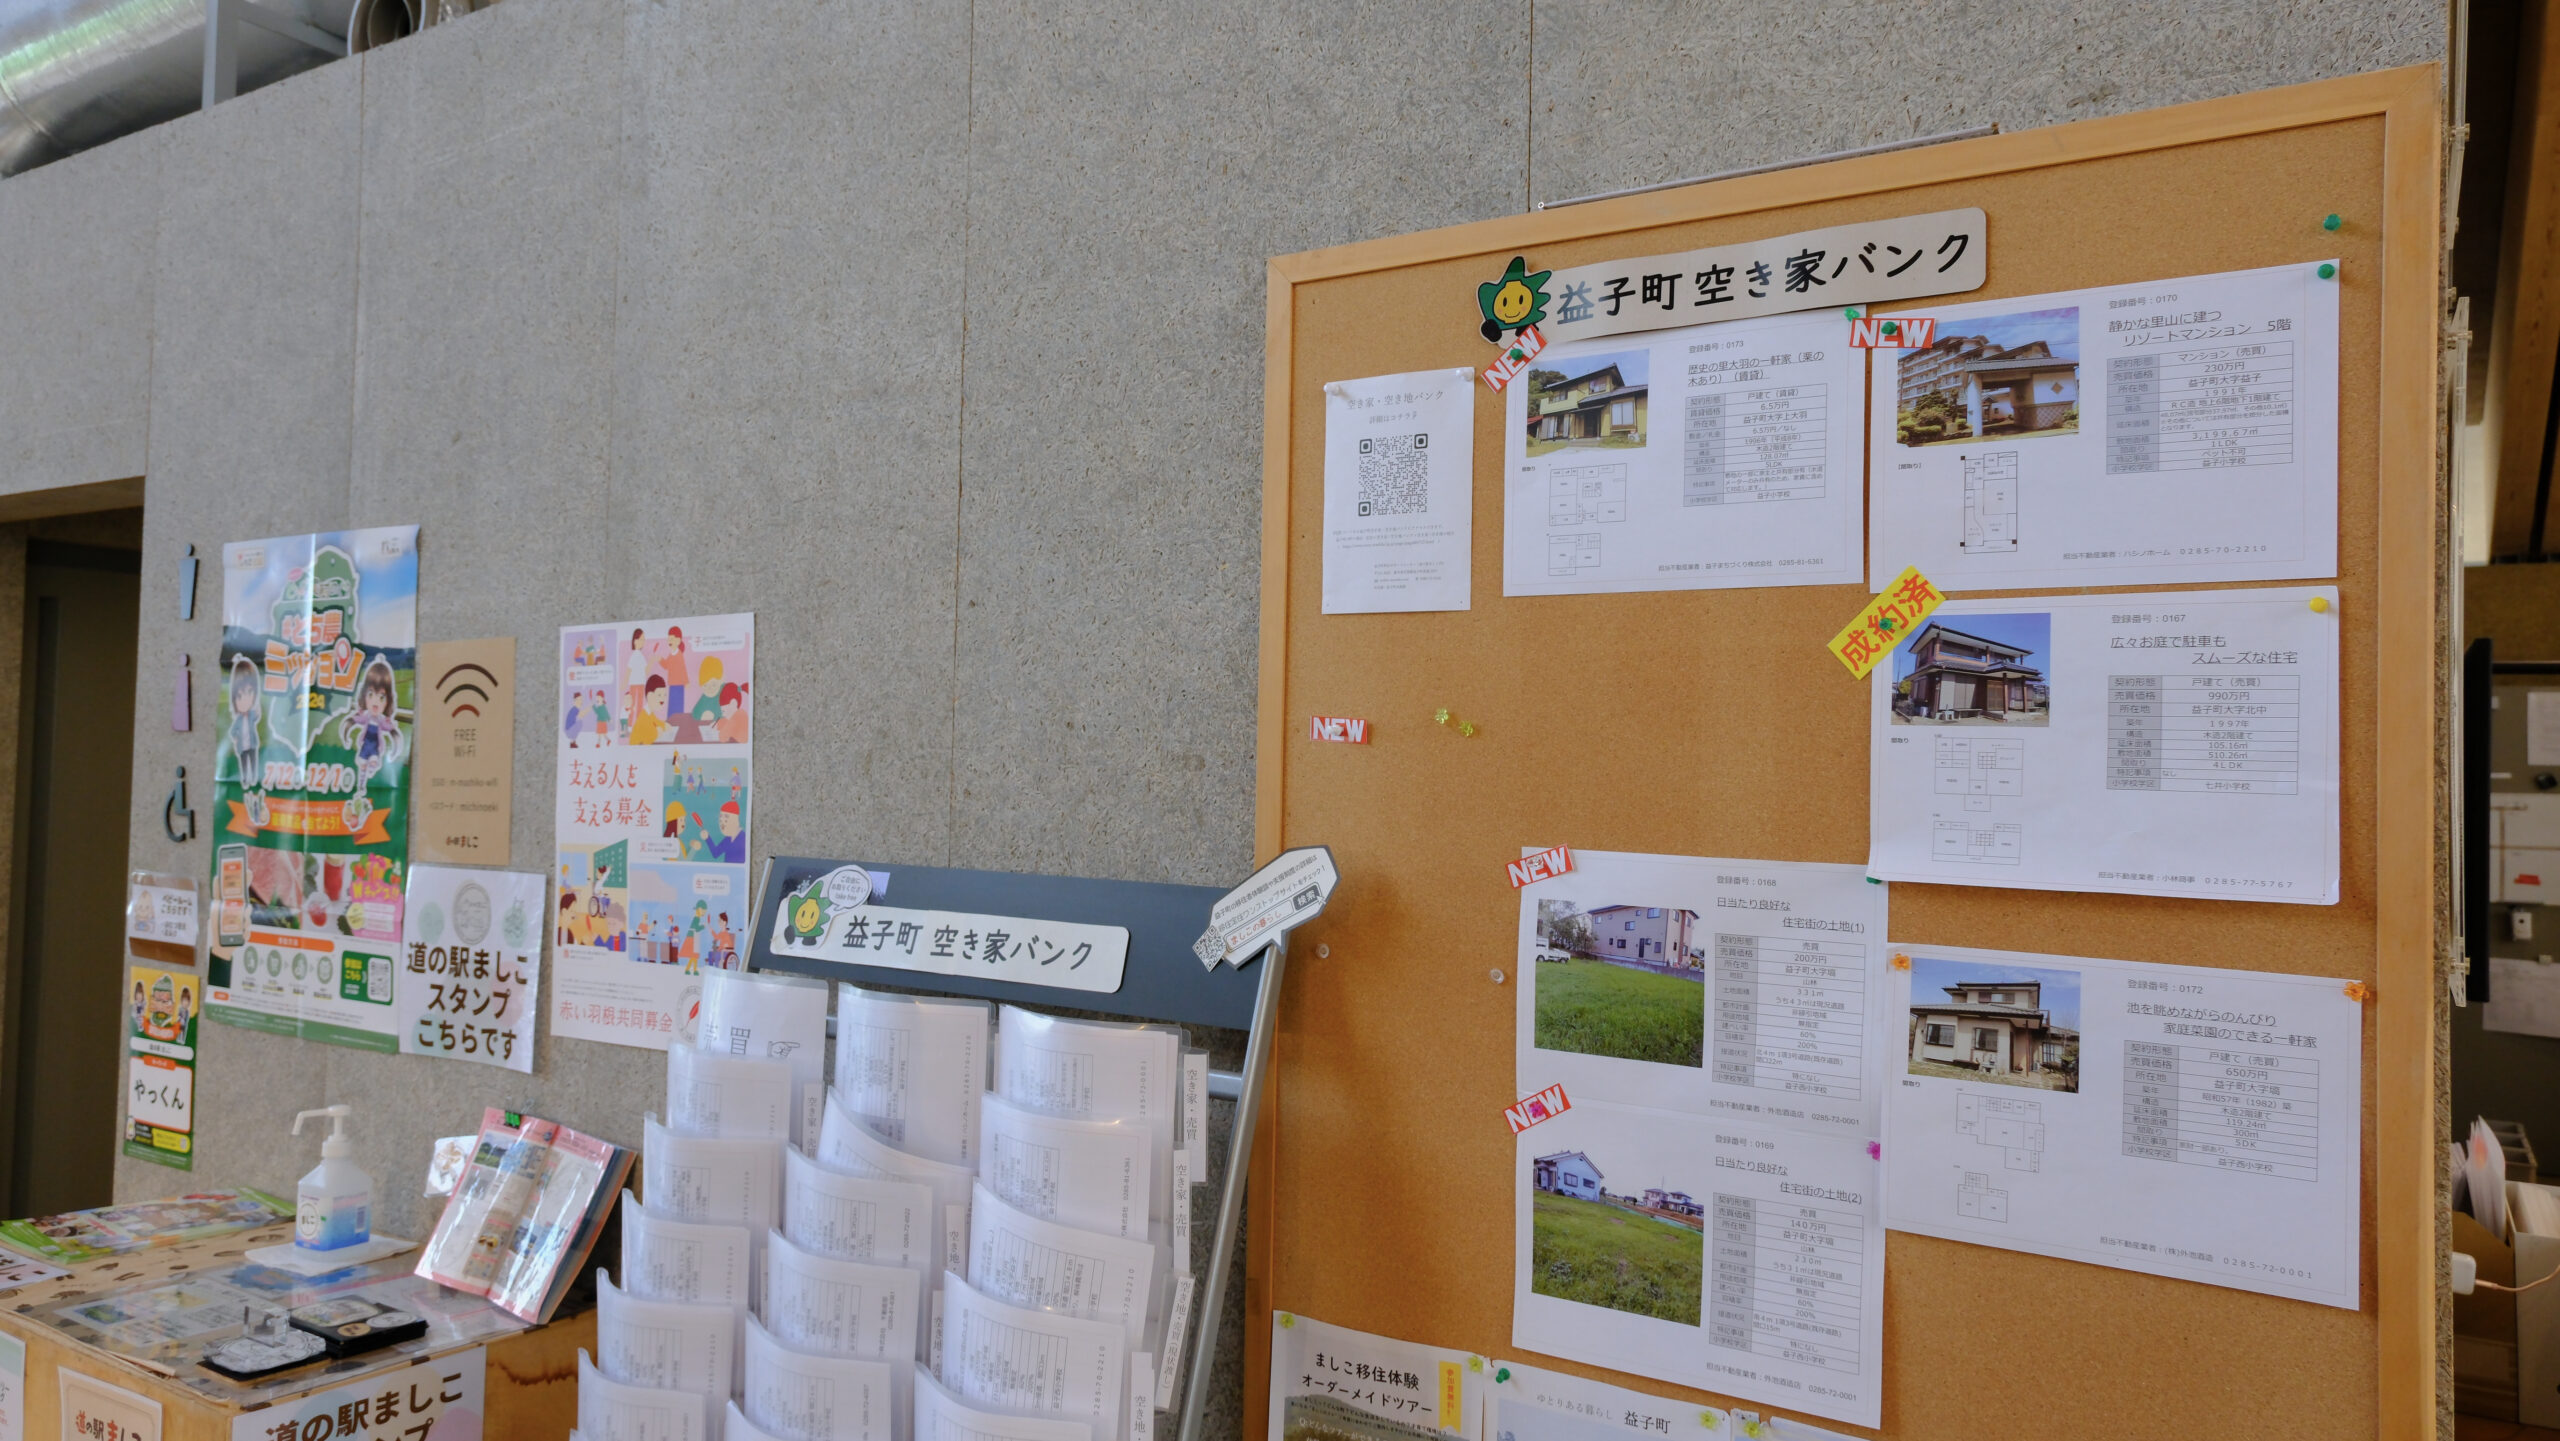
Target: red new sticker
(1524, 347)
(1544, 1106)
(1554, 861)
(1349, 729)
(1907, 332)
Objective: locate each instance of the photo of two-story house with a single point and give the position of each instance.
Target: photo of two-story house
(1596, 400)
(1978, 670)
(2014, 1025)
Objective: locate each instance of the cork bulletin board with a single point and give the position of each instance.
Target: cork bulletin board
(1382, 1192)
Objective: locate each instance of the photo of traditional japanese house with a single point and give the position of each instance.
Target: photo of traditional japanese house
(1589, 402)
(1986, 670)
(1641, 1249)
(1992, 375)
(1622, 980)
(2014, 1025)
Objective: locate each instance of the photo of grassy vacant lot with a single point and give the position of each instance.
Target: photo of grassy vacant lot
(1600, 1009)
(1613, 1256)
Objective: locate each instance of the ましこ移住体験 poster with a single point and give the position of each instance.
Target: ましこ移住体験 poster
(655, 795)
(311, 783)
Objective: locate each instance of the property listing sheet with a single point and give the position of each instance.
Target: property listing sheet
(1743, 989)
(1695, 459)
(2179, 744)
(2170, 432)
(2183, 1121)
(1713, 1041)
(1736, 1258)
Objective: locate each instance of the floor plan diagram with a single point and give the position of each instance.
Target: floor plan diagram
(2013, 1127)
(1586, 494)
(1978, 769)
(1569, 554)
(1977, 843)
(1976, 1200)
(1991, 503)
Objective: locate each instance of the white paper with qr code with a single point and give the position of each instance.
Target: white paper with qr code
(1399, 492)
(1747, 469)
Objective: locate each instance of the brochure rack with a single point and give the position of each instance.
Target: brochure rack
(1164, 982)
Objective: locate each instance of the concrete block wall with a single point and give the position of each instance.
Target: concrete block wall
(930, 331)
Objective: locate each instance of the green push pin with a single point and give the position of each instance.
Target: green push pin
(1892, 328)
(1501, 1375)
(2330, 222)
(2328, 271)
(1851, 312)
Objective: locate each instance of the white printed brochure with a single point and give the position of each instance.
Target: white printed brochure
(2182, 1121)
(2175, 744)
(1399, 492)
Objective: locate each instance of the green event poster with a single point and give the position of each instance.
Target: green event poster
(316, 718)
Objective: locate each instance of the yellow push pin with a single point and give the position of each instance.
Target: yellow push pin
(1441, 715)
(1287, 1321)
(2319, 605)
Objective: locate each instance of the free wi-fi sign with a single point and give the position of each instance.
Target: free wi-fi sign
(464, 787)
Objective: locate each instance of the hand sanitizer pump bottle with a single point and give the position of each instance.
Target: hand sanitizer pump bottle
(333, 1207)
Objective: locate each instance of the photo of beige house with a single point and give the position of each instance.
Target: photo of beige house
(1995, 1025)
(1659, 935)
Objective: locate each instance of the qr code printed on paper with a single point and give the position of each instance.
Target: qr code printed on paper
(1395, 474)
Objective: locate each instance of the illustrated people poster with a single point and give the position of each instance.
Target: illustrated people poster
(655, 797)
(160, 1066)
(311, 783)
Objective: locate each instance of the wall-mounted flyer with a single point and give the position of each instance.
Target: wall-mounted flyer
(2182, 1121)
(1329, 1380)
(1745, 470)
(1531, 1403)
(1399, 492)
(1704, 1207)
(652, 810)
(2166, 433)
(160, 1066)
(471, 970)
(310, 825)
(2174, 744)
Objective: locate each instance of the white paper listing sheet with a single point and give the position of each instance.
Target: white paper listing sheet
(2172, 432)
(1093, 1175)
(858, 1218)
(1017, 1257)
(816, 1398)
(1399, 492)
(1732, 1257)
(699, 1178)
(669, 1345)
(670, 1260)
(2178, 1120)
(941, 1416)
(611, 1411)
(2173, 744)
(912, 1068)
(1007, 1358)
(715, 1094)
(1096, 1071)
(832, 1307)
(759, 1015)
(1748, 989)
(847, 1145)
(1694, 459)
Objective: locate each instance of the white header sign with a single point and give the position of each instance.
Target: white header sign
(1904, 258)
(822, 918)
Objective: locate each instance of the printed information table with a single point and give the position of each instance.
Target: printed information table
(1785, 1281)
(1791, 1015)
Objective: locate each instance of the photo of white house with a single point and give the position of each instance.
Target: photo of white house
(1566, 1173)
(2013, 375)
(2015, 1025)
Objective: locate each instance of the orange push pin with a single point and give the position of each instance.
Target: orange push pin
(2359, 992)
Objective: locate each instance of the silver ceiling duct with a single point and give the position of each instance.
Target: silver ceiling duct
(77, 73)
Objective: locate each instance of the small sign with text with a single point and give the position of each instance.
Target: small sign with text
(1541, 865)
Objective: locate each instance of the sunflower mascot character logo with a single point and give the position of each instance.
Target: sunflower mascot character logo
(1515, 302)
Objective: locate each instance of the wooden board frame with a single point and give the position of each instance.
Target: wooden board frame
(2390, 801)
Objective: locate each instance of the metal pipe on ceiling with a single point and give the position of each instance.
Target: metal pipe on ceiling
(78, 73)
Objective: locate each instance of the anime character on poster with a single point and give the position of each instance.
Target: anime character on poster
(372, 727)
(243, 738)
